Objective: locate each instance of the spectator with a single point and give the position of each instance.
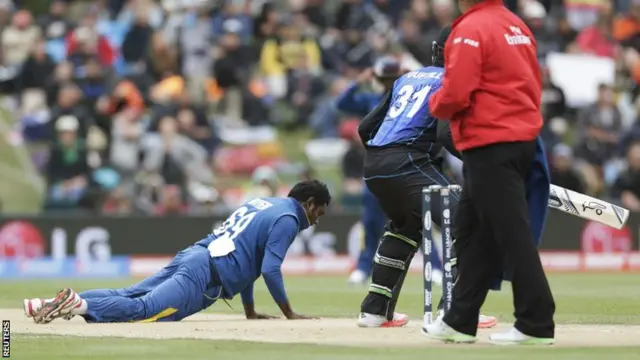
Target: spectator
(562, 171)
(414, 40)
(632, 134)
(554, 102)
(85, 42)
(174, 156)
(69, 104)
(304, 89)
(581, 14)
(597, 39)
(229, 71)
(134, 47)
(126, 133)
(627, 25)
(233, 19)
(264, 183)
(627, 186)
(118, 202)
(92, 83)
(67, 171)
(534, 16)
(161, 58)
(55, 28)
(266, 24)
(281, 54)
(314, 11)
(351, 15)
(196, 128)
(197, 58)
(325, 118)
(170, 202)
(599, 126)
(37, 69)
(19, 38)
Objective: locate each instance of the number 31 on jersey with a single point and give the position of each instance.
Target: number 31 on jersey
(408, 94)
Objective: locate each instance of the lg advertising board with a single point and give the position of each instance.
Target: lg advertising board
(123, 245)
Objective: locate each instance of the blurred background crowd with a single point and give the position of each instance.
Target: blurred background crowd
(191, 106)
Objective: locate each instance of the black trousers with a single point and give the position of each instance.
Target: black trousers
(493, 235)
(396, 176)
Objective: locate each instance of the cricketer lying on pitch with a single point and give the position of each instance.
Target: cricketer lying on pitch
(253, 241)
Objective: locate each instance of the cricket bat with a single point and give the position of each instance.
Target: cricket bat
(587, 207)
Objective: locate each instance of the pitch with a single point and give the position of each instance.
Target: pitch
(598, 316)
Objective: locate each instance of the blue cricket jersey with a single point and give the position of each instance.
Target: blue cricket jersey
(408, 121)
(254, 241)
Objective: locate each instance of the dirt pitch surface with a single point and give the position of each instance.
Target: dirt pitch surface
(322, 331)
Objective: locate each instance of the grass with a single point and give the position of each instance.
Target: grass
(17, 194)
(581, 298)
(27, 348)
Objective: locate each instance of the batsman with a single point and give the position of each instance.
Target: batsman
(402, 157)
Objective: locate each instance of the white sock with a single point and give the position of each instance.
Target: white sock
(80, 309)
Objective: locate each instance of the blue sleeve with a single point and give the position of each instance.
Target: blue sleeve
(216, 25)
(281, 236)
(352, 102)
(247, 294)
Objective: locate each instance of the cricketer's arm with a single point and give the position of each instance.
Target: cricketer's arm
(282, 234)
(371, 122)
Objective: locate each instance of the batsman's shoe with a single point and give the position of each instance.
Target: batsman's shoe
(62, 304)
(487, 322)
(379, 321)
(515, 337)
(439, 330)
(484, 321)
(358, 277)
(32, 306)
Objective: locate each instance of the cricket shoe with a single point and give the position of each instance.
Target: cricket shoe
(60, 306)
(487, 322)
(515, 337)
(379, 321)
(484, 321)
(32, 306)
(439, 330)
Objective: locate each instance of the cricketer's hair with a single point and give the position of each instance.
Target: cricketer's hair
(306, 189)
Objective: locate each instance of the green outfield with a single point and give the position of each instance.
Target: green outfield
(596, 299)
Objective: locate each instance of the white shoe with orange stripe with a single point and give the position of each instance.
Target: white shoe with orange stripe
(484, 321)
(487, 322)
(379, 321)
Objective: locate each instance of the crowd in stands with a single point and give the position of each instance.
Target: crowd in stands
(127, 106)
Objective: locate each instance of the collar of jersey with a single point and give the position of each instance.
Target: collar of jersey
(302, 215)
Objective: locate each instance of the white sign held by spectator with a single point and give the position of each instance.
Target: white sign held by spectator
(579, 76)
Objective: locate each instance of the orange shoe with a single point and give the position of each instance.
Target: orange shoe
(487, 322)
(378, 321)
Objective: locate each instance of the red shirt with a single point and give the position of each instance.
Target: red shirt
(592, 40)
(492, 86)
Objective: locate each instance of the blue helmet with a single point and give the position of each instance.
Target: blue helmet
(387, 68)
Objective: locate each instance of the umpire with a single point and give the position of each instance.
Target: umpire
(491, 93)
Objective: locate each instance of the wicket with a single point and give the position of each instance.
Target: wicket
(447, 247)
